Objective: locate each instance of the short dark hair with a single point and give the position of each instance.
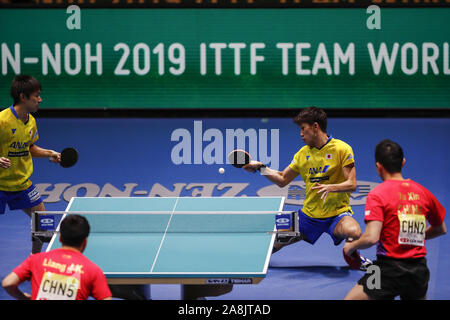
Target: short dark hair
(390, 155)
(23, 84)
(311, 115)
(73, 230)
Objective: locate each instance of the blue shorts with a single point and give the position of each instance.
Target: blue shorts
(19, 199)
(312, 228)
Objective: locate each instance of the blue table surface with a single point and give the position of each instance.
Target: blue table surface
(179, 245)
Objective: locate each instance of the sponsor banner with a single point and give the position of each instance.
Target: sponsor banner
(229, 58)
(182, 157)
(294, 192)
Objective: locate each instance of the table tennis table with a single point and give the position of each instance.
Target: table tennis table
(180, 240)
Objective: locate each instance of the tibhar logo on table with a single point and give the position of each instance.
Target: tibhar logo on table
(190, 148)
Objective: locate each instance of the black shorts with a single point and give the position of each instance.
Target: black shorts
(407, 278)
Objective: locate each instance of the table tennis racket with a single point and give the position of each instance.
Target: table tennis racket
(69, 156)
(239, 158)
(354, 260)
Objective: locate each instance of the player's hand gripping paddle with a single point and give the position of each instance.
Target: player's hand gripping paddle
(69, 156)
(354, 260)
(239, 158)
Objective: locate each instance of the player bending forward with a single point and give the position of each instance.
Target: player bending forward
(396, 215)
(327, 167)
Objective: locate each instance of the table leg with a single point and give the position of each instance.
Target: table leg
(131, 292)
(197, 291)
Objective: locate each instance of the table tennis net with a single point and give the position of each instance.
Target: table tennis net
(170, 222)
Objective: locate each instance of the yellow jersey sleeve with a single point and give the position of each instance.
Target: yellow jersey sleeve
(346, 154)
(296, 163)
(35, 134)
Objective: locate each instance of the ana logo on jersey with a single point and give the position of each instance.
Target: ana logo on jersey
(19, 145)
(328, 156)
(318, 170)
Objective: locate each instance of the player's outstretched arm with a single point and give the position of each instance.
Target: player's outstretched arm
(38, 152)
(280, 178)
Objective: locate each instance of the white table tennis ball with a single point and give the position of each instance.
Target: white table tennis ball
(221, 170)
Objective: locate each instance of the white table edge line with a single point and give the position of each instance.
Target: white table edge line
(50, 245)
(164, 236)
(272, 240)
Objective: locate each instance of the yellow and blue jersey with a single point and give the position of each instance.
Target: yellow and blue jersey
(324, 166)
(16, 137)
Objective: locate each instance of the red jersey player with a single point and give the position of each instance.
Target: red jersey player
(396, 215)
(64, 273)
